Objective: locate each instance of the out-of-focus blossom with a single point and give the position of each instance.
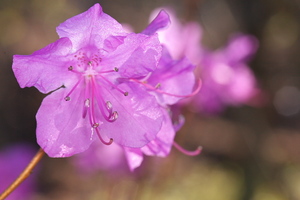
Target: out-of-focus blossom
(13, 161)
(226, 77)
(179, 77)
(181, 39)
(100, 157)
(94, 73)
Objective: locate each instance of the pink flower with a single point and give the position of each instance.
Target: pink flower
(93, 75)
(226, 77)
(172, 81)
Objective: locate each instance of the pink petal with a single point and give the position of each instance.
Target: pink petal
(181, 39)
(174, 76)
(90, 28)
(162, 144)
(61, 130)
(139, 116)
(137, 57)
(161, 21)
(45, 69)
(240, 48)
(134, 157)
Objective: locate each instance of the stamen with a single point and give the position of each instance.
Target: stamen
(158, 85)
(85, 107)
(95, 125)
(87, 103)
(116, 69)
(68, 98)
(166, 93)
(114, 116)
(114, 86)
(108, 105)
(101, 139)
(108, 71)
(70, 68)
(186, 152)
(105, 108)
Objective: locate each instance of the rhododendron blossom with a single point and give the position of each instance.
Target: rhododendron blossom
(95, 74)
(226, 77)
(171, 81)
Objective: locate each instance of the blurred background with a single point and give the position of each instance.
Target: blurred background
(249, 152)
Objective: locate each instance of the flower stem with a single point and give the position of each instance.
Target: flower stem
(26, 172)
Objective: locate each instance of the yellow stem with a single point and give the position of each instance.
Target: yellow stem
(26, 172)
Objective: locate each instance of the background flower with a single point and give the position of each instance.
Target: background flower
(13, 160)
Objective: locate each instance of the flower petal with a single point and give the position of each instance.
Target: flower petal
(90, 28)
(162, 144)
(181, 39)
(61, 129)
(174, 77)
(136, 57)
(134, 157)
(162, 20)
(240, 48)
(45, 69)
(139, 116)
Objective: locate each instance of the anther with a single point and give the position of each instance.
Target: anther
(90, 63)
(125, 94)
(115, 115)
(108, 105)
(116, 69)
(158, 85)
(110, 141)
(95, 125)
(70, 68)
(87, 103)
(67, 98)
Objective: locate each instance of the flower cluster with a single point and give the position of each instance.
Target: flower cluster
(111, 92)
(106, 84)
(226, 78)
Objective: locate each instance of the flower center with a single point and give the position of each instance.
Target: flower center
(94, 81)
